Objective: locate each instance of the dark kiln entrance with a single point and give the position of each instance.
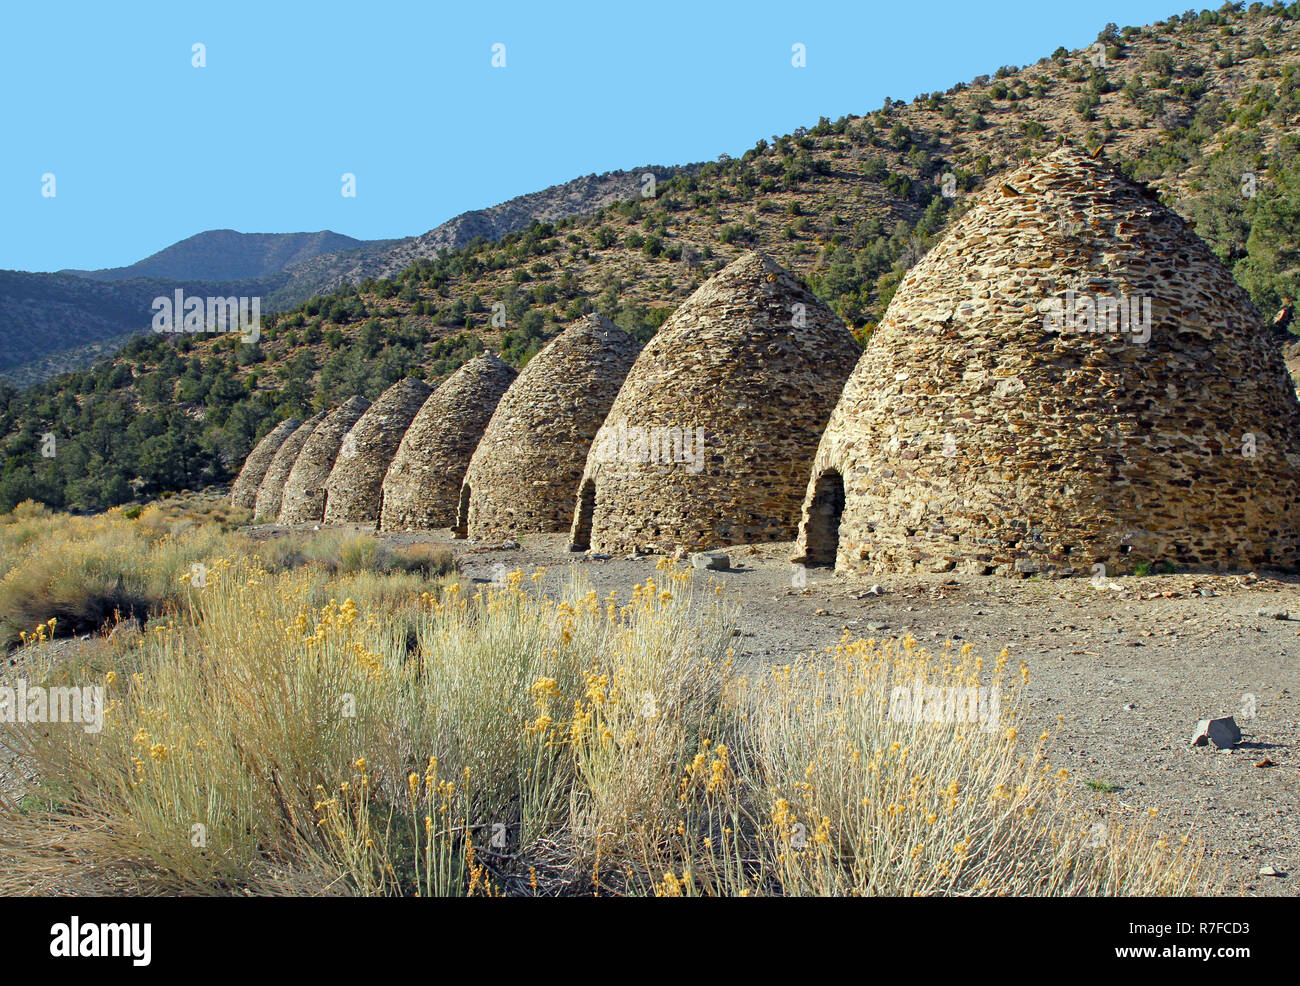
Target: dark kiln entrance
(824, 518)
(582, 523)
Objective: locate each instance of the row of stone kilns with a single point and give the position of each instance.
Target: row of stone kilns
(1070, 378)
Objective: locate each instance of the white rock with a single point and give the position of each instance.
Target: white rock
(715, 560)
(1223, 732)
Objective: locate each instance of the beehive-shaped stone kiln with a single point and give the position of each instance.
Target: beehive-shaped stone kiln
(525, 473)
(269, 494)
(711, 437)
(304, 492)
(1069, 379)
(243, 493)
(422, 488)
(355, 484)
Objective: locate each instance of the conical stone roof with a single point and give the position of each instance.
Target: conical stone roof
(270, 492)
(244, 491)
(712, 434)
(525, 473)
(989, 427)
(303, 501)
(422, 487)
(356, 482)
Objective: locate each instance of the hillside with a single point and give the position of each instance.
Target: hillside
(1204, 107)
(51, 324)
(55, 323)
(42, 314)
(573, 198)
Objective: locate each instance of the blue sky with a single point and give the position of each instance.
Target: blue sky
(147, 149)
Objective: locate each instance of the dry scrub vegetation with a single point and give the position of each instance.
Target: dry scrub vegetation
(86, 572)
(324, 717)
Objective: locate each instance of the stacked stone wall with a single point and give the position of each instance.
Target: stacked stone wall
(243, 493)
(423, 484)
(525, 473)
(355, 485)
(712, 435)
(1069, 382)
(303, 501)
(269, 493)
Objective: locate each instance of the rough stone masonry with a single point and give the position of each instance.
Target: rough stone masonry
(244, 491)
(524, 476)
(269, 494)
(303, 501)
(711, 437)
(422, 487)
(355, 484)
(1070, 381)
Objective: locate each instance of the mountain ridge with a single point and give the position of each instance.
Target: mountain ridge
(227, 255)
(284, 268)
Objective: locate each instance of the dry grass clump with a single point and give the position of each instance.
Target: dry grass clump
(272, 739)
(348, 553)
(178, 513)
(429, 560)
(888, 769)
(87, 573)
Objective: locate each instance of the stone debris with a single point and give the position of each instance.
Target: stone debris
(355, 485)
(1223, 732)
(525, 473)
(303, 500)
(712, 433)
(1273, 614)
(244, 491)
(423, 485)
(269, 494)
(716, 561)
(1089, 464)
